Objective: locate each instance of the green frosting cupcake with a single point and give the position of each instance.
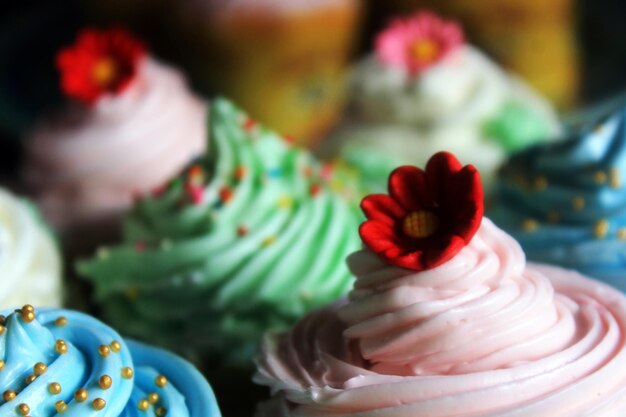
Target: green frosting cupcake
(245, 240)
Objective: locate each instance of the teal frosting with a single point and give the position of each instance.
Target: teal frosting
(566, 202)
(247, 239)
(25, 343)
(517, 126)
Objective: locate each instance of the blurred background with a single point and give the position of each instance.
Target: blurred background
(288, 69)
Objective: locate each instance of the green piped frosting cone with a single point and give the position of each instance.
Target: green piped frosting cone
(246, 240)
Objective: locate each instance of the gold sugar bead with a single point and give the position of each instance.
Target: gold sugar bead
(9, 395)
(161, 380)
(23, 409)
(116, 346)
(40, 368)
(60, 321)
(60, 406)
(60, 346)
(80, 395)
(153, 398)
(104, 351)
(99, 403)
(54, 388)
(127, 373)
(143, 405)
(105, 382)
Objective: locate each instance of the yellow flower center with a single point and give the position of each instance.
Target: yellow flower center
(425, 50)
(104, 71)
(420, 224)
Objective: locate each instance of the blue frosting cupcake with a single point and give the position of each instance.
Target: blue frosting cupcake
(60, 362)
(565, 202)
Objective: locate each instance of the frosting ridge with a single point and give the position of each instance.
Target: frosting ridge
(231, 247)
(481, 335)
(565, 203)
(90, 162)
(30, 264)
(58, 361)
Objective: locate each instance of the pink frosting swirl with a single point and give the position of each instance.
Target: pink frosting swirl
(89, 163)
(481, 335)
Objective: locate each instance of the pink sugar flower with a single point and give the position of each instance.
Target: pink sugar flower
(416, 42)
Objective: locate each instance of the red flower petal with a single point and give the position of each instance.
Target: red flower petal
(381, 207)
(99, 62)
(407, 185)
(446, 193)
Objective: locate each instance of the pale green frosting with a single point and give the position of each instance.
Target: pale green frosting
(264, 243)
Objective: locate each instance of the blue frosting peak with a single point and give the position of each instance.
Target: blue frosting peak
(46, 360)
(565, 202)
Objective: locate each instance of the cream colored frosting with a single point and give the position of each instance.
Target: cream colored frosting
(30, 266)
(482, 335)
(90, 162)
(444, 108)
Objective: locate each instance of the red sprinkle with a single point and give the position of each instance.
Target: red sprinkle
(327, 171)
(196, 174)
(158, 191)
(242, 230)
(195, 193)
(240, 172)
(249, 124)
(289, 139)
(315, 189)
(226, 194)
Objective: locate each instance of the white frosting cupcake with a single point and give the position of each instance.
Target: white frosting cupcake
(440, 95)
(30, 266)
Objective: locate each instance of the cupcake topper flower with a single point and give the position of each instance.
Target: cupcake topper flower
(99, 62)
(428, 216)
(417, 42)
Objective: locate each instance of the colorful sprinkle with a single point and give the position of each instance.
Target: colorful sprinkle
(195, 193)
(285, 202)
(226, 194)
(242, 230)
(601, 228)
(249, 124)
(268, 241)
(274, 172)
(530, 225)
(315, 189)
(140, 246)
(240, 173)
(327, 171)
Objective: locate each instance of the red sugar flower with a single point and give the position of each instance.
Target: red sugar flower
(417, 42)
(428, 216)
(99, 62)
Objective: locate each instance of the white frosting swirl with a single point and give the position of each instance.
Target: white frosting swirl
(90, 162)
(482, 335)
(444, 108)
(30, 266)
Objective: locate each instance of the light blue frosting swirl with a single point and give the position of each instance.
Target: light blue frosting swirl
(23, 344)
(566, 202)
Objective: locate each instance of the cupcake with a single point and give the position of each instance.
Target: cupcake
(447, 319)
(132, 124)
(248, 238)
(30, 264)
(565, 202)
(61, 362)
(285, 61)
(424, 89)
